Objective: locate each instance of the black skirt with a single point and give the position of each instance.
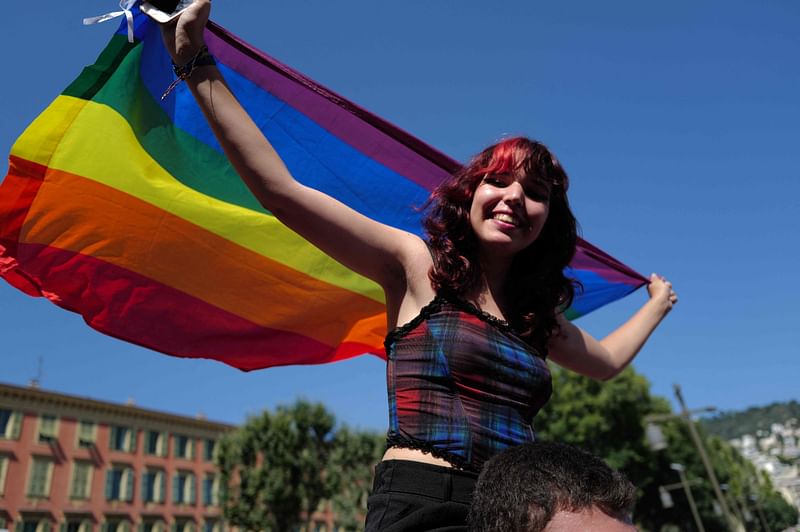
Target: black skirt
(413, 496)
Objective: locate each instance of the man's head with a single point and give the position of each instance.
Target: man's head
(550, 487)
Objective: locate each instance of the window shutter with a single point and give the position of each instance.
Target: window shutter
(112, 440)
(134, 437)
(109, 488)
(162, 496)
(18, 527)
(62, 527)
(192, 444)
(176, 488)
(192, 489)
(46, 526)
(16, 425)
(129, 484)
(74, 490)
(48, 480)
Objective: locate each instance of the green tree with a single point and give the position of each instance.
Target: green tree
(353, 466)
(275, 467)
(280, 466)
(779, 514)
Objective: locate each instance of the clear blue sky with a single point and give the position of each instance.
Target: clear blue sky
(678, 122)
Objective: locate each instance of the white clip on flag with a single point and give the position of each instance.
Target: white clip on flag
(125, 6)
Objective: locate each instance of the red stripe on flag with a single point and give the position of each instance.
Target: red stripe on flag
(17, 193)
(126, 305)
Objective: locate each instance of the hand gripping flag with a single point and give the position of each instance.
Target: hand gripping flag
(123, 208)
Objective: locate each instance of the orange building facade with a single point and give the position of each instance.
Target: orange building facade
(70, 464)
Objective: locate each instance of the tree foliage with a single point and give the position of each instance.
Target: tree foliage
(279, 466)
(608, 419)
(354, 456)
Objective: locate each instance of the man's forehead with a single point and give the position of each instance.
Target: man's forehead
(589, 519)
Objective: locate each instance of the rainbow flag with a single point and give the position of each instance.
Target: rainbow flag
(123, 208)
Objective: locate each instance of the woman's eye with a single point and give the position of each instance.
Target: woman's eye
(495, 180)
(540, 197)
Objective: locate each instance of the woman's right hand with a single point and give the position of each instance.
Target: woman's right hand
(183, 36)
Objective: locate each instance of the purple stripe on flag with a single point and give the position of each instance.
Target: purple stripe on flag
(588, 257)
(369, 134)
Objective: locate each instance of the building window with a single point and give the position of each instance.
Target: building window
(116, 524)
(153, 485)
(87, 434)
(10, 424)
(77, 524)
(210, 490)
(40, 477)
(122, 439)
(212, 525)
(154, 525)
(48, 428)
(184, 447)
(119, 483)
(81, 480)
(3, 473)
(155, 443)
(209, 450)
(34, 525)
(185, 525)
(183, 488)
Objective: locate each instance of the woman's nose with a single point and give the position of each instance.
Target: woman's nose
(514, 193)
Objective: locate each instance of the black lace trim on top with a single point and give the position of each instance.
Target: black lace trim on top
(404, 442)
(436, 305)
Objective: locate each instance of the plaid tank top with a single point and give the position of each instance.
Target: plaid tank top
(462, 384)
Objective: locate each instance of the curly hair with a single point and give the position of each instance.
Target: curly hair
(537, 273)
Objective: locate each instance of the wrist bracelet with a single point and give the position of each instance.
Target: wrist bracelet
(202, 58)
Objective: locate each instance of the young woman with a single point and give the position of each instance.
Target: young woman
(473, 312)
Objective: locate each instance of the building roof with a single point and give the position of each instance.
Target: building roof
(28, 397)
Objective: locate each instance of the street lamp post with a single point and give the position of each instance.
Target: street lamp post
(680, 469)
(686, 414)
(657, 442)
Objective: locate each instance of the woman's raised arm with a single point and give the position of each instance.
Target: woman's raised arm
(370, 248)
(577, 350)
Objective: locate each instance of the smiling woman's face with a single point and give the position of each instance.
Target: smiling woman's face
(508, 213)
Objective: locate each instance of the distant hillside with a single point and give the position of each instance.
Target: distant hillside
(729, 425)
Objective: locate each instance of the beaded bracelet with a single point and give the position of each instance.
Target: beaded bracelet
(202, 58)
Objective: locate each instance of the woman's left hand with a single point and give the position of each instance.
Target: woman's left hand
(661, 292)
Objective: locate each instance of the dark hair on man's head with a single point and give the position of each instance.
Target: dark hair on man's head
(541, 289)
(522, 488)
